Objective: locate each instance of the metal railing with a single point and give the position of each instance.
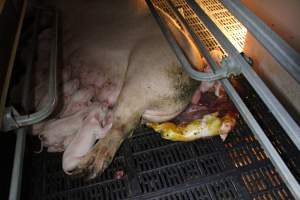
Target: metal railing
(22, 121)
(11, 118)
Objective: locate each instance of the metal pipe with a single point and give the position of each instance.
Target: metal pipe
(277, 47)
(52, 86)
(282, 116)
(179, 53)
(26, 102)
(16, 180)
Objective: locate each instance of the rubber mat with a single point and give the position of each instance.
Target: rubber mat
(153, 168)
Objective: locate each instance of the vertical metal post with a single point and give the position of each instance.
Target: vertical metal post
(16, 180)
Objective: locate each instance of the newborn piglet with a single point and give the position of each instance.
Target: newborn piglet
(79, 100)
(56, 131)
(94, 127)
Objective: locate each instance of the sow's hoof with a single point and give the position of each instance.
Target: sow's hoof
(98, 159)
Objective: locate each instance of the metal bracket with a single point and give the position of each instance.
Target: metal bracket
(9, 119)
(231, 66)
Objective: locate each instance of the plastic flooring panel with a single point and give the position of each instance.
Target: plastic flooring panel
(158, 169)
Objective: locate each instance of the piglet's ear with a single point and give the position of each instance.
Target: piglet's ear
(223, 136)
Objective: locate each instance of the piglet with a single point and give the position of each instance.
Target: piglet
(94, 127)
(69, 88)
(79, 100)
(108, 93)
(57, 130)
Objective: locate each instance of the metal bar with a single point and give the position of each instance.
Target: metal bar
(16, 180)
(277, 47)
(179, 53)
(282, 116)
(40, 115)
(3, 93)
(28, 76)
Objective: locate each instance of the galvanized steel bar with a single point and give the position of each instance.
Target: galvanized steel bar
(277, 47)
(26, 102)
(16, 179)
(40, 115)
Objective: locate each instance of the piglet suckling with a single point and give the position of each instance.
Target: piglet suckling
(94, 127)
(107, 94)
(79, 100)
(66, 91)
(57, 130)
(69, 88)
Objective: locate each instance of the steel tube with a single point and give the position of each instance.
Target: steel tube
(16, 180)
(26, 102)
(40, 115)
(276, 46)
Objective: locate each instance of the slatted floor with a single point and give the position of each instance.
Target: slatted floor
(164, 170)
